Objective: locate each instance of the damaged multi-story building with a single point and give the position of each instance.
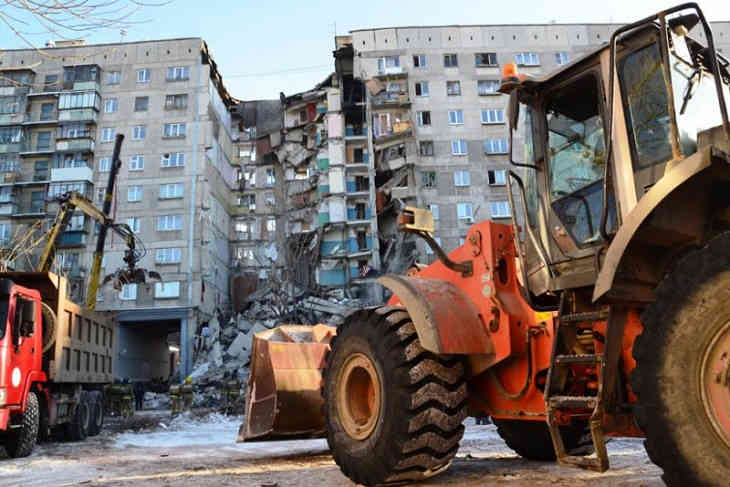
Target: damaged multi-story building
(60, 109)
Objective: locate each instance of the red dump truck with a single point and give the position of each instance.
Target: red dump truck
(55, 358)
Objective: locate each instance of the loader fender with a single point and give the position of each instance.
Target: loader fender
(446, 319)
(689, 181)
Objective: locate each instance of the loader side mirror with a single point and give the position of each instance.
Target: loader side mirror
(414, 219)
(513, 109)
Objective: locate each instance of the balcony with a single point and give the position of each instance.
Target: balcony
(14, 90)
(63, 174)
(84, 86)
(12, 118)
(394, 132)
(81, 143)
(75, 238)
(33, 210)
(40, 118)
(10, 174)
(353, 132)
(391, 99)
(29, 149)
(391, 72)
(8, 208)
(78, 115)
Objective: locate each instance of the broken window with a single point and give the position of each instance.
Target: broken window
(527, 59)
(496, 177)
(358, 155)
(462, 178)
(360, 211)
(485, 59)
(361, 183)
(270, 177)
(434, 210)
(451, 61)
(425, 147)
(362, 240)
(419, 61)
(422, 88)
(424, 118)
(428, 179)
(453, 88)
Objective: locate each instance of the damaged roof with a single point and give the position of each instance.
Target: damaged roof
(264, 115)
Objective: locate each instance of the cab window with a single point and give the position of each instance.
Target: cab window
(577, 158)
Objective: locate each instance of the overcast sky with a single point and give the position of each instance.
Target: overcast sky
(264, 47)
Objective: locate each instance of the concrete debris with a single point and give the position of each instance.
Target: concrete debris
(154, 400)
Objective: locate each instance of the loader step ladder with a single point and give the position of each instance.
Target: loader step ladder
(561, 405)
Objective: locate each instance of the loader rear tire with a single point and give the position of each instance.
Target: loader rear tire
(394, 411)
(531, 439)
(20, 441)
(682, 377)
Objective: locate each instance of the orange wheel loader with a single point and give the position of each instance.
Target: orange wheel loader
(603, 311)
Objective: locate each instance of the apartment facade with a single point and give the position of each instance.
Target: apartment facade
(440, 83)
(60, 110)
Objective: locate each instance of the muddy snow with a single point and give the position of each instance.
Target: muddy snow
(203, 451)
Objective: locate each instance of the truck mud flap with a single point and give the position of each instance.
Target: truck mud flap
(283, 397)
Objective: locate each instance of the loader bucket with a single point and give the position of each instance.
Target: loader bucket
(283, 397)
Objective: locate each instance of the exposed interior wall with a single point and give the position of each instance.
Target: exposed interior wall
(143, 352)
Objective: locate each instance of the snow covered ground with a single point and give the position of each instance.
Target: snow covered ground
(190, 451)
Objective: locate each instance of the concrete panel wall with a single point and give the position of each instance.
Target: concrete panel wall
(142, 352)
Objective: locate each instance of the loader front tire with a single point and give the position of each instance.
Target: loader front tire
(394, 411)
(682, 377)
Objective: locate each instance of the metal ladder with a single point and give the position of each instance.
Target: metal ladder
(562, 406)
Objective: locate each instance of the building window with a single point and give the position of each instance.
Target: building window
(434, 210)
(11, 135)
(496, 177)
(169, 222)
(496, 146)
(113, 77)
(89, 99)
(105, 164)
(173, 159)
(462, 178)
(111, 105)
(134, 193)
(178, 73)
(388, 63)
(458, 147)
(419, 61)
(47, 111)
(487, 87)
(493, 115)
(40, 171)
(171, 255)
(464, 212)
(453, 88)
(527, 59)
(107, 134)
(426, 147)
(143, 75)
(270, 177)
(129, 292)
(5, 233)
(482, 59)
(428, 178)
(44, 141)
(499, 209)
(456, 117)
(50, 83)
(139, 132)
(561, 58)
(134, 223)
(173, 190)
(422, 88)
(271, 224)
(167, 290)
(248, 200)
(424, 118)
(451, 61)
(174, 130)
(176, 102)
(136, 162)
(141, 103)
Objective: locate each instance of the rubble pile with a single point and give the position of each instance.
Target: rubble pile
(156, 400)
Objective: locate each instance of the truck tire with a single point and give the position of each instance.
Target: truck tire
(97, 414)
(531, 439)
(78, 429)
(20, 441)
(394, 411)
(682, 377)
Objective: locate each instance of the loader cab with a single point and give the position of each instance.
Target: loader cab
(589, 158)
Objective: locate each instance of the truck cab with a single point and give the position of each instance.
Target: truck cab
(21, 347)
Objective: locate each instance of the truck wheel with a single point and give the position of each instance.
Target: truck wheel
(394, 411)
(79, 427)
(97, 415)
(682, 377)
(20, 441)
(531, 439)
